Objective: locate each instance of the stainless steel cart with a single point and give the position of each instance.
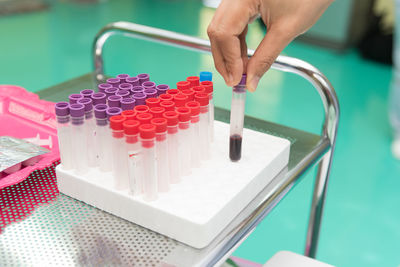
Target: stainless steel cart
(69, 232)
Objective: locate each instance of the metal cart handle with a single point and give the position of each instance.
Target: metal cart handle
(283, 63)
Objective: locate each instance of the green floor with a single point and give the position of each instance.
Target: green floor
(361, 225)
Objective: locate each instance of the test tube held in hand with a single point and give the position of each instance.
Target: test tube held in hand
(135, 168)
(172, 140)
(89, 127)
(148, 151)
(161, 154)
(119, 152)
(194, 107)
(64, 134)
(237, 119)
(103, 138)
(204, 140)
(184, 141)
(79, 140)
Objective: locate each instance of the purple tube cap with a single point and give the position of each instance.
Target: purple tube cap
(87, 102)
(143, 77)
(74, 98)
(100, 111)
(149, 85)
(137, 89)
(103, 86)
(243, 80)
(132, 80)
(150, 92)
(137, 96)
(113, 111)
(62, 109)
(127, 103)
(125, 86)
(114, 81)
(99, 98)
(122, 76)
(111, 91)
(87, 93)
(77, 110)
(122, 93)
(114, 100)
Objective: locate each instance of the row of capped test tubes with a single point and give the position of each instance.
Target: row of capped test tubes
(149, 144)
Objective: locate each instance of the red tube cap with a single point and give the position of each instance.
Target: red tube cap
(168, 105)
(172, 118)
(198, 89)
(147, 131)
(194, 107)
(180, 100)
(166, 97)
(189, 93)
(129, 114)
(208, 86)
(157, 112)
(116, 122)
(153, 102)
(144, 118)
(182, 85)
(194, 80)
(202, 98)
(131, 127)
(141, 109)
(161, 124)
(183, 114)
(173, 91)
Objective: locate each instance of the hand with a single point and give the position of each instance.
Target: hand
(285, 19)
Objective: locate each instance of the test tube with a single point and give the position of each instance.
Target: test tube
(114, 101)
(141, 109)
(166, 97)
(209, 89)
(122, 77)
(87, 93)
(168, 105)
(189, 93)
(184, 140)
(198, 89)
(134, 81)
(125, 86)
(89, 127)
(113, 111)
(140, 98)
(157, 112)
(237, 119)
(205, 76)
(144, 118)
(123, 93)
(203, 100)
(148, 152)
(143, 77)
(129, 114)
(173, 92)
(161, 154)
(180, 100)
(194, 107)
(103, 86)
(64, 134)
(137, 89)
(79, 140)
(119, 152)
(114, 82)
(110, 91)
(150, 93)
(162, 89)
(183, 85)
(103, 138)
(135, 171)
(149, 85)
(73, 98)
(153, 102)
(99, 98)
(194, 80)
(127, 103)
(172, 140)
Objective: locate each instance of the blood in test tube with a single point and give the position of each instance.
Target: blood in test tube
(161, 154)
(209, 89)
(122, 77)
(141, 109)
(140, 98)
(113, 111)
(129, 114)
(149, 85)
(166, 97)
(162, 89)
(180, 100)
(64, 133)
(173, 91)
(237, 119)
(103, 86)
(134, 81)
(135, 171)
(144, 118)
(189, 93)
(87, 93)
(205, 76)
(103, 138)
(137, 89)
(110, 91)
(89, 128)
(125, 86)
(172, 137)
(198, 89)
(79, 140)
(143, 77)
(73, 98)
(194, 80)
(184, 140)
(114, 101)
(123, 93)
(183, 85)
(148, 153)
(194, 107)
(204, 140)
(99, 98)
(168, 105)
(127, 103)
(157, 112)
(114, 82)
(153, 102)
(119, 153)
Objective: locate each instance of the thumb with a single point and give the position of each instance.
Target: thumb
(266, 53)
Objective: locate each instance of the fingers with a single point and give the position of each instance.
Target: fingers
(268, 50)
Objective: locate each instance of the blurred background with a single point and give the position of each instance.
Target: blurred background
(43, 43)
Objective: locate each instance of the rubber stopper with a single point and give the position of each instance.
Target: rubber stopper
(198, 89)
(147, 131)
(168, 105)
(157, 112)
(189, 93)
(116, 122)
(183, 85)
(173, 91)
(129, 114)
(131, 127)
(62, 109)
(202, 98)
(144, 118)
(194, 107)
(153, 102)
(141, 109)
(166, 97)
(194, 80)
(208, 86)
(160, 123)
(180, 100)
(184, 114)
(172, 118)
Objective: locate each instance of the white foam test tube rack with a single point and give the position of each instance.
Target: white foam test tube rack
(184, 139)
(204, 140)
(172, 140)
(79, 140)
(147, 139)
(161, 154)
(64, 134)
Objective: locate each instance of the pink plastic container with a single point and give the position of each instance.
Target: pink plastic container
(23, 115)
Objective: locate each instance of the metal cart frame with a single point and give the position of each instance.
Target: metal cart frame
(76, 232)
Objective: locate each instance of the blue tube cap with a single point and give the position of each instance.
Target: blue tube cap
(205, 76)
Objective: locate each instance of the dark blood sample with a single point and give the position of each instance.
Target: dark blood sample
(235, 147)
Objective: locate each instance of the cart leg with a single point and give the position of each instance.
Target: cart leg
(317, 205)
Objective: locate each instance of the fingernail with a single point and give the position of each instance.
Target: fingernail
(252, 85)
(229, 80)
